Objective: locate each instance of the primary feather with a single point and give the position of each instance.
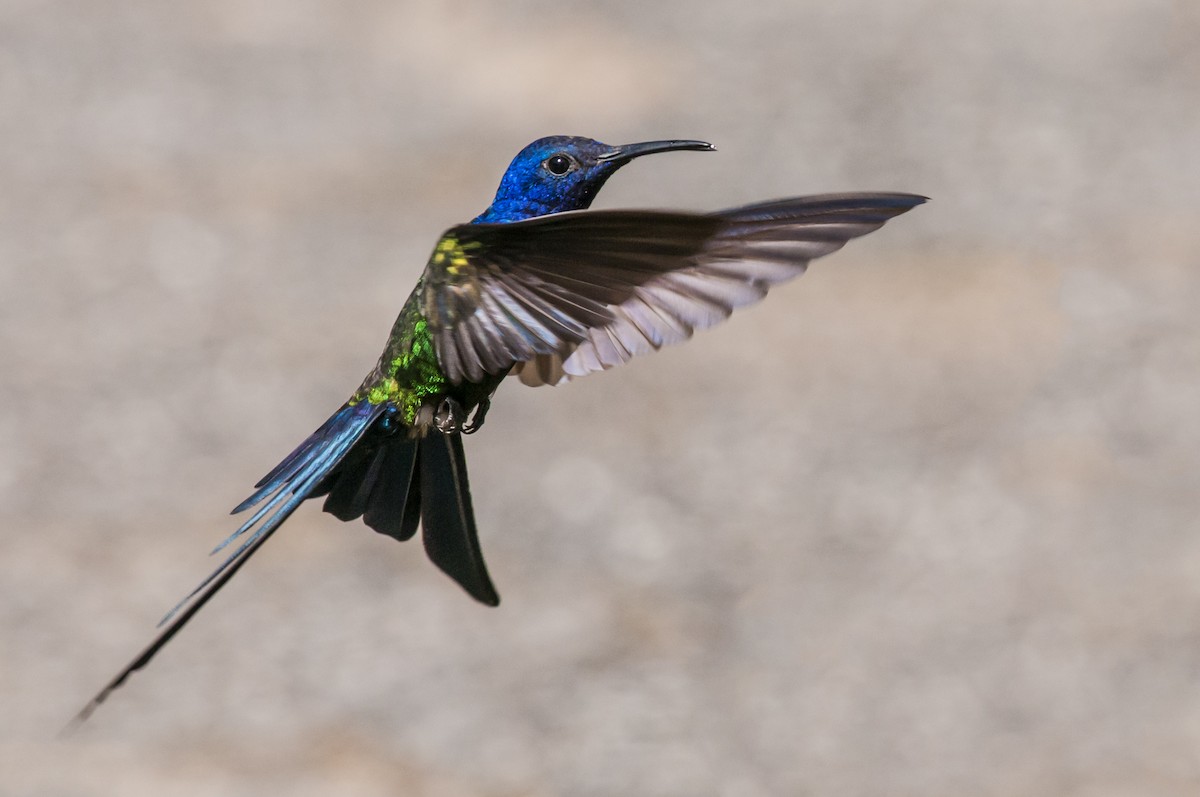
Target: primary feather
(564, 295)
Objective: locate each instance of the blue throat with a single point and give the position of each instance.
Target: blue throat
(501, 212)
(538, 200)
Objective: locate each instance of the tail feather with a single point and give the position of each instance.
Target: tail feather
(306, 468)
(450, 537)
(393, 482)
(293, 462)
(405, 483)
(227, 572)
(350, 489)
(411, 518)
(329, 445)
(391, 494)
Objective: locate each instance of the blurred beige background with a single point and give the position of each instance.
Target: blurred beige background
(924, 523)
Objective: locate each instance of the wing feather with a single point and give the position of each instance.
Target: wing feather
(564, 295)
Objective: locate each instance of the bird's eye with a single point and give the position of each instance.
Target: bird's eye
(558, 164)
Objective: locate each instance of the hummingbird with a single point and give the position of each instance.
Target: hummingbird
(540, 288)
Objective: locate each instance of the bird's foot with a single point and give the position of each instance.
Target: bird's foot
(451, 418)
(481, 412)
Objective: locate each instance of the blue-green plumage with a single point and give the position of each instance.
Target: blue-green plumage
(534, 288)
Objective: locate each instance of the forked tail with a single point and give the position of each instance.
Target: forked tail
(369, 468)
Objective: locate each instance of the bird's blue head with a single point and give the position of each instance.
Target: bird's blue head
(561, 173)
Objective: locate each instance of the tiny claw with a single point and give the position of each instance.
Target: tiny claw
(481, 412)
(449, 417)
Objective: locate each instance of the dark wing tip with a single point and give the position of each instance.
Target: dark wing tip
(878, 205)
(894, 204)
(881, 199)
(905, 200)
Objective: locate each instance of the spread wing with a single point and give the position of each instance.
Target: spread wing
(564, 295)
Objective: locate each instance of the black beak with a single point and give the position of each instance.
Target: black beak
(627, 152)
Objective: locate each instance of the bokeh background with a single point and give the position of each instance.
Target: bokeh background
(926, 522)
